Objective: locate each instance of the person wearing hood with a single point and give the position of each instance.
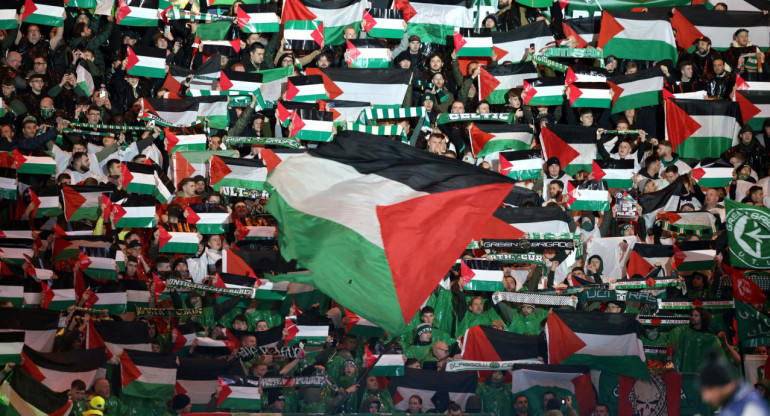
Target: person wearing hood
(495, 396)
(692, 342)
(526, 321)
(553, 172)
(422, 343)
(756, 155)
(373, 393)
(588, 226)
(742, 56)
(593, 273)
(348, 379)
(721, 388)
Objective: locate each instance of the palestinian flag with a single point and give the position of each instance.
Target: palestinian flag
(458, 387)
(481, 275)
(120, 335)
(214, 111)
(252, 232)
(39, 326)
(435, 20)
(82, 202)
(647, 36)
(177, 242)
(135, 211)
(176, 143)
(237, 82)
(84, 80)
(59, 295)
(57, 370)
(305, 189)
(16, 229)
(238, 393)
(284, 110)
(495, 82)
(213, 31)
(11, 344)
(694, 255)
(692, 23)
(584, 76)
(303, 34)
(367, 53)
(589, 195)
(301, 333)
(145, 61)
(589, 94)
(16, 250)
(186, 164)
(228, 48)
(271, 290)
(521, 165)
(488, 138)
(375, 86)
(8, 16)
(646, 257)
(312, 125)
(574, 146)
(701, 128)
(388, 365)
(335, 15)
(666, 200)
(43, 12)
(699, 222)
(12, 289)
(138, 178)
(208, 219)
(233, 263)
(305, 88)
(8, 187)
(543, 91)
(713, 173)
(258, 18)
(28, 397)
(170, 113)
(585, 29)
(617, 173)
(137, 294)
(147, 374)
(383, 23)
(509, 223)
(35, 165)
(600, 341)
(45, 205)
(513, 45)
(344, 110)
(198, 377)
(102, 268)
(143, 13)
(39, 274)
(755, 107)
(751, 82)
(234, 281)
(641, 89)
(237, 173)
(534, 380)
(473, 42)
(364, 328)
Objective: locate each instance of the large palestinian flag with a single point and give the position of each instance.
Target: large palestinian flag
(692, 23)
(148, 375)
(258, 18)
(484, 343)
(198, 377)
(617, 173)
(384, 23)
(57, 370)
(488, 138)
(435, 20)
(513, 223)
(543, 91)
(120, 335)
(495, 82)
(574, 146)
(512, 45)
(375, 86)
(189, 163)
(170, 113)
(28, 397)
(755, 107)
(534, 380)
(701, 128)
(456, 387)
(39, 326)
(146, 62)
(82, 202)
(646, 36)
(636, 90)
(43, 12)
(142, 13)
(522, 165)
(319, 194)
(646, 257)
(585, 29)
(481, 274)
(237, 173)
(600, 341)
(239, 393)
(336, 15)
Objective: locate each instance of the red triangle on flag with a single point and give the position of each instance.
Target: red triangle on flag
(368, 21)
(224, 81)
(291, 330)
(571, 76)
(698, 173)
(178, 389)
(83, 261)
(295, 10)
(291, 90)
(132, 59)
(369, 357)
(610, 28)
(19, 159)
(679, 256)
(122, 12)
(118, 212)
(318, 34)
(748, 109)
(236, 44)
(487, 83)
(233, 263)
(479, 138)
(163, 237)
(499, 52)
(574, 92)
(283, 113)
(617, 91)
(297, 124)
(182, 168)
(406, 8)
(192, 216)
(219, 170)
(270, 159)
(29, 9)
(638, 265)
(679, 124)
(72, 200)
(128, 177)
(226, 390)
(331, 88)
(243, 18)
(528, 92)
(90, 298)
(353, 53)
(505, 165)
(570, 194)
(466, 273)
(171, 139)
(568, 31)
(160, 285)
(31, 368)
(47, 293)
(564, 342)
(243, 231)
(128, 370)
(740, 83)
(597, 172)
(558, 148)
(107, 205)
(686, 32)
(459, 41)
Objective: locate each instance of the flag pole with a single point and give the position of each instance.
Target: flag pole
(338, 409)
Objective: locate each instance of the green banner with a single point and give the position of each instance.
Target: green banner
(748, 234)
(542, 60)
(753, 326)
(572, 53)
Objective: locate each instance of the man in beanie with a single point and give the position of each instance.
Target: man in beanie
(181, 404)
(275, 400)
(552, 172)
(721, 388)
(527, 320)
(756, 155)
(423, 341)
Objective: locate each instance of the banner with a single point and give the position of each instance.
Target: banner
(167, 313)
(269, 141)
(650, 283)
(573, 53)
(530, 258)
(654, 320)
(289, 352)
(534, 299)
(542, 60)
(444, 118)
(687, 304)
(186, 284)
(528, 245)
(470, 365)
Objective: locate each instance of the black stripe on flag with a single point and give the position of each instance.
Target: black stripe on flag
(531, 31)
(484, 343)
(151, 359)
(654, 250)
(75, 361)
(29, 319)
(139, 168)
(656, 200)
(388, 76)
(723, 18)
(646, 74)
(123, 332)
(521, 155)
(476, 33)
(306, 80)
(651, 14)
(207, 369)
(499, 128)
(386, 14)
(134, 284)
(138, 200)
(146, 4)
(367, 43)
(574, 134)
(459, 382)
(620, 164)
(522, 68)
(417, 169)
(306, 114)
(600, 324)
(243, 76)
(148, 51)
(546, 81)
(180, 105)
(36, 394)
(267, 337)
(8, 337)
(524, 215)
(585, 26)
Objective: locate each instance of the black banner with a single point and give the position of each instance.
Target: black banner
(528, 245)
